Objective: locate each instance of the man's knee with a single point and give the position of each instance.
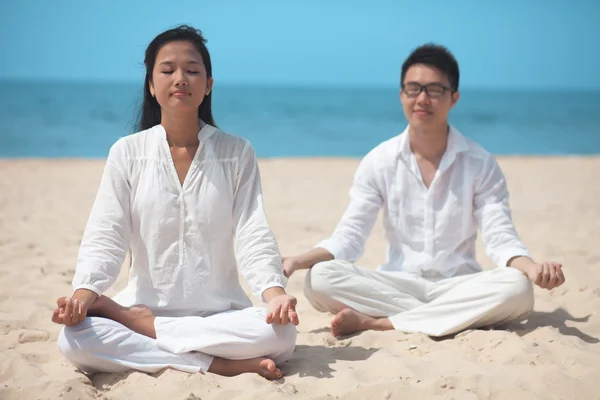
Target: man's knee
(320, 278)
(518, 293)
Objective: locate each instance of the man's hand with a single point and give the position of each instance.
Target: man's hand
(72, 310)
(304, 261)
(548, 275)
(290, 265)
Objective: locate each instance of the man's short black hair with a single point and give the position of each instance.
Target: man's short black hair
(435, 56)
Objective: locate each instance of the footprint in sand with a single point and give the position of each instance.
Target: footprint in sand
(68, 272)
(33, 336)
(36, 358)
(8, 326)
(329, 341)
(288, 389)
(344, 343)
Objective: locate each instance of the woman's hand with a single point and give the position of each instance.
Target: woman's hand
(69, 311)
(282, 310)
(72, 310)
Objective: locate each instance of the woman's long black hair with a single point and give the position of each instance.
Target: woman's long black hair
(149, 114)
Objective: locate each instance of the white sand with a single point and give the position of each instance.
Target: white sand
(555, 355)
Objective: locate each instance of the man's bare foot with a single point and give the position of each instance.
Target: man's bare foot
(349, 321)
(263, 366)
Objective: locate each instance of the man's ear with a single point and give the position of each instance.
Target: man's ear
(455, 97)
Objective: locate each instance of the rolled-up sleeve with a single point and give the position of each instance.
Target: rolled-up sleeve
(108, 230)
(494, 218)
(350, 235)
(257, 250)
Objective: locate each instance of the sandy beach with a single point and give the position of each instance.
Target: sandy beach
(555, 354)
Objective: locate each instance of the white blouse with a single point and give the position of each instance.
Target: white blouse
(182, 237)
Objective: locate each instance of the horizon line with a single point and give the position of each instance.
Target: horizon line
(298, 85)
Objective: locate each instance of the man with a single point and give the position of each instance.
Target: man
(436, 188)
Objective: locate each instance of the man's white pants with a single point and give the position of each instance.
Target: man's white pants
(432, 305)
(185, 343)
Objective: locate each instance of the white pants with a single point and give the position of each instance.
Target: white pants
(433, 305)
(185, 343)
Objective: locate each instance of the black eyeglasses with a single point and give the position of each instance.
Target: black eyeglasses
(433, 90)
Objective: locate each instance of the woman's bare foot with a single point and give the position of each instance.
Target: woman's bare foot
(349, 321)
(263, 366)
(138, 318)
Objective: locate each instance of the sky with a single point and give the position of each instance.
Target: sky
(510, 44)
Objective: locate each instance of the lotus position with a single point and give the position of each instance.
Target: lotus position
(182, 195)
(437, 189)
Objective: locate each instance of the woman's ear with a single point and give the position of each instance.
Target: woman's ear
(209, 83)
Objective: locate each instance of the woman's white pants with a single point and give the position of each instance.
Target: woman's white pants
(185, 343)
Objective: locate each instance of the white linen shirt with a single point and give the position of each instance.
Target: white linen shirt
(429, 231)
(182, 237)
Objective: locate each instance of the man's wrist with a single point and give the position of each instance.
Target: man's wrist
(309, 259)
(303, 263)
(522, 263)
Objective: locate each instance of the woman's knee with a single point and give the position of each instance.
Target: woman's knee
(81, 343)
(69, 346)
(272, 340)
(285, 341)
(63, 342)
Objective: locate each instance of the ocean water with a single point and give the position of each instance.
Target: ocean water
(46, 119)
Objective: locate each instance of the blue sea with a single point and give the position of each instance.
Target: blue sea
(52, 119)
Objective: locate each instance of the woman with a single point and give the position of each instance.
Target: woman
(180, 194)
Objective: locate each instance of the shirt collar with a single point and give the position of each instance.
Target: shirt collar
(206, 131)
(456, 144)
